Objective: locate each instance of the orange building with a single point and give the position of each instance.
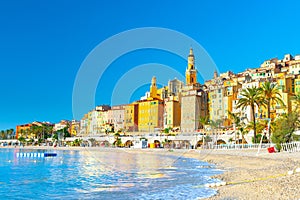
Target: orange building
(21, 130)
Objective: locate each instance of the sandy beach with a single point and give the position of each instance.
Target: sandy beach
(248, 175)
(251, 176)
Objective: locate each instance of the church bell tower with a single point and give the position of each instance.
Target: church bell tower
(191, 72)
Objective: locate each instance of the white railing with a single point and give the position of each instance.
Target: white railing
(291, 147)
(241, 146)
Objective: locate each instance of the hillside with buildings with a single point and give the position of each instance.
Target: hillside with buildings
(180, 107)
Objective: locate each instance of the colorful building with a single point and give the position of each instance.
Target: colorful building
(75, 128)
(116, 116)
(172, 114)
(150, 111)
(131, 117)
(150, 115)
(25, 131)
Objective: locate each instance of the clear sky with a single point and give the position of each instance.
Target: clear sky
(43, 44)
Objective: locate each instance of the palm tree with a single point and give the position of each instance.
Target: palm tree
(271, 95)
(214, 125)
(236, 120)
(27, 132)
(48, 131)
(11, 132)
(34, 130)
(2, 134)
(203, 121)
(21, 133)
(251, 97)
(296, 98)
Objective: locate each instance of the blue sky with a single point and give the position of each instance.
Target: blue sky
(43, 44)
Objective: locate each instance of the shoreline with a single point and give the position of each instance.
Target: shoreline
(248, 175)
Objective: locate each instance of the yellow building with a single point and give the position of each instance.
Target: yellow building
(150, 115)
(131, 117)
(74, 128)
(286, 88)
(150, 111)
(231, 88)
(297, 85)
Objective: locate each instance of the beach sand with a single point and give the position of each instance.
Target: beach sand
(248, 175)
(251, 176)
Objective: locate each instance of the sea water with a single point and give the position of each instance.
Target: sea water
(103, 174)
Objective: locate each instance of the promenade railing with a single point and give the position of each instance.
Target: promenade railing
(241, 146)
(291, 147)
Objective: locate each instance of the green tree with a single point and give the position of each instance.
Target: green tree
(203, 121)
(77, 142)
(66, 132)
(22, 139)
(236, 120)
(36, 131)
(47, 131)
(61, 133)
(11, 132)
(296, 98)
(167, 130)
(26, 132)
(3, 134)
(284, 128)
(271, 95)
(251, 97)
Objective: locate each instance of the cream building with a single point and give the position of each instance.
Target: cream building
(116, 116)
(172, 113)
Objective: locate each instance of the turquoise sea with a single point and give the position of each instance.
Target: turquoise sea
(107, 174)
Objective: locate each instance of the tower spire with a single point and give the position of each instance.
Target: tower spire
(191, 72)
(215, 74)
(191, 60)
(153, 88)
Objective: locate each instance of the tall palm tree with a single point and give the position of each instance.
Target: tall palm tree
(251, 97)
(271, 95)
